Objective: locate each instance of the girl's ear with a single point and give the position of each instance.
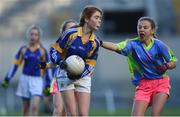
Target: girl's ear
(153, 31)
(86, 20)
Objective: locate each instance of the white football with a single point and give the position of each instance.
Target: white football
(75, 64)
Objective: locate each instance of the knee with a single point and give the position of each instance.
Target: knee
(34, 108)
(26, 108)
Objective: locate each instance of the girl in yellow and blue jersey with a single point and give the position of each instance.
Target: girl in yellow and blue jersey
(149, 59)
(83, 42)
(31, 82)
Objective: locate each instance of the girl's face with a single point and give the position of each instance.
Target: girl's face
(95, 21)
(145, 30)
(34, 36)
(70, 25)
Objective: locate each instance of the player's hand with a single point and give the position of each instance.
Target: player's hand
(42, 65)
(73, 77)
(63, 64)
(5, 84)
(162, 68)
(46, 91)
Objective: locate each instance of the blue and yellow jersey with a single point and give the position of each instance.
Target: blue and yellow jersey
(143, 60)
(30, 59)
(71, 43)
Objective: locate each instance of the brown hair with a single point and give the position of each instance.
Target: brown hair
(64, 25)
(152, 22)
(87, 13)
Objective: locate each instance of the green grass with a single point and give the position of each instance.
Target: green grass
(118, 112)
(127, 112)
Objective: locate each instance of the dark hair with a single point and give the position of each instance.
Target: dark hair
(64, 25)
(152, 22)
(87, 13)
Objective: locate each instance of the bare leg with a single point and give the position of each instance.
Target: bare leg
(26, 107)
(35, 100)
(159, 101)
(48, 103)
(83, 100)
(58, 105)
(139, 108)
(69, 100)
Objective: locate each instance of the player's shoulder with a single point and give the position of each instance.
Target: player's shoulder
(159, 42)
(135, 39)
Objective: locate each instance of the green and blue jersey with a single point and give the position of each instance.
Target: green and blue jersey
(143, 60)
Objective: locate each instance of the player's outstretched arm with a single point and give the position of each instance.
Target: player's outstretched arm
(109, 45)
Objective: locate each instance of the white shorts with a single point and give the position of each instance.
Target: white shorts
(64, 83)
(30, 86)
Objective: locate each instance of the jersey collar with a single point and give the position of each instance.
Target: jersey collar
(150, 45)
(80, 34)
(33, 49)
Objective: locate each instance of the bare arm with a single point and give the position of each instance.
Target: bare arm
(110, 46)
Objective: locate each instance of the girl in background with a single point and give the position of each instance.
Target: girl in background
(30, 87)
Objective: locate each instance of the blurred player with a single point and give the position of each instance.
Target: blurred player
(83, 42)
(31, 83)
(57, 98)
(149, 59)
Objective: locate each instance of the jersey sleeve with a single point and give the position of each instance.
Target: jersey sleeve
(124, 47)
(18, 59)
(167, 53)
(48, 71)
(55, 55)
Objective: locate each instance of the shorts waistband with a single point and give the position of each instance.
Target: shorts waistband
(163, 77)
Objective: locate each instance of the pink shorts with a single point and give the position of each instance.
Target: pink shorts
(147, 88)
(53, 88)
